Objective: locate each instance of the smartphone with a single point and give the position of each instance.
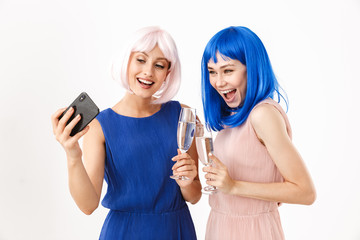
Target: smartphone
(87, 109)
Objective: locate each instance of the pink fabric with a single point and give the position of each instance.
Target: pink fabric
(235, 217)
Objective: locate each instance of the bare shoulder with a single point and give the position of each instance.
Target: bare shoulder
(95, 132)
(184, 105)
(267, 120)
(264, 113)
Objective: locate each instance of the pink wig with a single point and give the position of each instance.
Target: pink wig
(144, 40)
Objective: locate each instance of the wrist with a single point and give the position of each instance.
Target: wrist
(234, 187)
(187, 186)
(72, 161)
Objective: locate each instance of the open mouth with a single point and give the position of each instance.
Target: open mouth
(229, 94)
(145, 82)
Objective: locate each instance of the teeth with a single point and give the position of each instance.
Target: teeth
(227, 91)
(144, 81)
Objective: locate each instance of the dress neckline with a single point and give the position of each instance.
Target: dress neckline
(153, 115)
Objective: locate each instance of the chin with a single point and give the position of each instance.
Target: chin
(234, 104)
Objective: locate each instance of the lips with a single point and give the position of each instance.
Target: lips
(229, 94)
(145, 83)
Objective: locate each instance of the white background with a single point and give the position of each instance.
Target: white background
(50, 51)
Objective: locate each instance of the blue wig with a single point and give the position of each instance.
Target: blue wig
(241, 44)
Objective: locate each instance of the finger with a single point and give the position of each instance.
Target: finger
(216, 160)
(65, 119)
(186, 168)
(55, 118)
(210, 176)
(183, 162)
(57, 114)
(81, 133)
(213, 170)
(72, 124)
(176, 157)
(176, 173)
(189, 174)
(181, 156)
(206, 169)
(199, 129)
(212, 183)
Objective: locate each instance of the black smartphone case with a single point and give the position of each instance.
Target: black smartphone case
(87, 109)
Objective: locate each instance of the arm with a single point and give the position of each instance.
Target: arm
(186, 166)
(85, 179)
(297, 186)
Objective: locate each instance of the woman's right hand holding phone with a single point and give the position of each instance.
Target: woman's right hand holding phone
(62, 133)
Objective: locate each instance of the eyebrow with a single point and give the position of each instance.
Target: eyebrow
(161, 58)
(224, 66)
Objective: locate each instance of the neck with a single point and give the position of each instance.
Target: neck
(135, 106)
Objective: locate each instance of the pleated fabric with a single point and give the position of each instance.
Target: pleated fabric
(144, 202)
(234, 217)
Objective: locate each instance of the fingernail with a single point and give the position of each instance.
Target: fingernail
(210, 154)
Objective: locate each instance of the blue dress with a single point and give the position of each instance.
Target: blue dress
(144, 202)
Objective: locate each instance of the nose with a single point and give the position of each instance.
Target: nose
(148, 69)
(220, 82)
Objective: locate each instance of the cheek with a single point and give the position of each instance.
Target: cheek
(161, 75)
(244, 86)
(212, 82)
(132, 69)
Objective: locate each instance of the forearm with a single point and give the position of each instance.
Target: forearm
(192, 192)
(285, 192)
(81, 187)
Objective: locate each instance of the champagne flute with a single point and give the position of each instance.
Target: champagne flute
(204, 146)
(185, 132)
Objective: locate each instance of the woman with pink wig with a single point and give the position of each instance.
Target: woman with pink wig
(131, 146)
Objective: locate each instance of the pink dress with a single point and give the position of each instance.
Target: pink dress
(235, 217)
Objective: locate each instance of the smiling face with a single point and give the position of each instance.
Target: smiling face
(147, 72)
(229, 78)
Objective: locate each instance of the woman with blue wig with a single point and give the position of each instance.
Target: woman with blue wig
(255, 164)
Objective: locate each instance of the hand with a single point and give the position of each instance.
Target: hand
(218, 175)
(184, 166)
(62, 132)
(199, 129)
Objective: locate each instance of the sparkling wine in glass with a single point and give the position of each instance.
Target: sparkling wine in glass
(185, 132)
(204, 146)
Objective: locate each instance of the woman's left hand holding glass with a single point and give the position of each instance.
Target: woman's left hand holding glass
(184, 166)
(217, 175)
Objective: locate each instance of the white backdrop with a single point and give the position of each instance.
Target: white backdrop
(50, 51)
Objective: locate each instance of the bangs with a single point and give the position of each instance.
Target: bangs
(146, 44)
(227, 46)
(149, 41)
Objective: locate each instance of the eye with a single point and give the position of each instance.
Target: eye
(160, 66)
(212, 72)
(228, 71)
(140, 60)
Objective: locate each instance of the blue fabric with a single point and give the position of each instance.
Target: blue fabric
(144, 202)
